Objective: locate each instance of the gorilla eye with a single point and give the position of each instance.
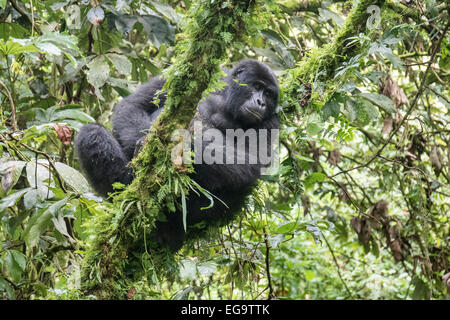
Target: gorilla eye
(238, 71)
(259, 86)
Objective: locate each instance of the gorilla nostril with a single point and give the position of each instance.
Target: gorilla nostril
(261, 103)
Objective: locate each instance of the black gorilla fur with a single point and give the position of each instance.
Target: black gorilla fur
(248, 101)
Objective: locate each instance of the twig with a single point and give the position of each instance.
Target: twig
(438, 94)
(25, 14)
(408, 112)
(13, 107)
(269, 277)
(49, 159)
(337, 265)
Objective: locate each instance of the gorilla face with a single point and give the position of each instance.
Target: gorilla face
(252, 95)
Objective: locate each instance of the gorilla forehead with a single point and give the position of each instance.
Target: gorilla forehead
(253, 70)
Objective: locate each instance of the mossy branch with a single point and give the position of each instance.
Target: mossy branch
(118, 252)
(308, 5)
(331, 55)
(326, 59)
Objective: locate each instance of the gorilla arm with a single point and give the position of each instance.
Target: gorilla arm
(134, 115)
(102, 158)
(105, 157)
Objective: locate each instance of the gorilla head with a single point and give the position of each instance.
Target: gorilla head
(252, 94)
(248, 101)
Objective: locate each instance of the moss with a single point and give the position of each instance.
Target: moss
(402, 10)
(306, 5)
(119, 255)
(323, 61)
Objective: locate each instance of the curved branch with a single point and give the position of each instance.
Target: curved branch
(13, 107)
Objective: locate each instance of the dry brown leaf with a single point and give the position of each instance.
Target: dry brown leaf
(362, 228)
(387, 128)
(342, 195)
(396, 248)
(356, 224)
(436, 160)
(306, 203)
(446, 280)
(334, 157)
(131, 293)
(391, 89)
(64, 133)
(305, 96)
(7, 179)
(379, 213)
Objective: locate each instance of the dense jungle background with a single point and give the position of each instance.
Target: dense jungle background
(358, 207)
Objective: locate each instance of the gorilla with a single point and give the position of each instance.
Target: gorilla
(248, 101)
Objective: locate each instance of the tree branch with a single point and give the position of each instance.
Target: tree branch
(134, 212)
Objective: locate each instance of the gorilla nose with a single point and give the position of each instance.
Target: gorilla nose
(261, 103)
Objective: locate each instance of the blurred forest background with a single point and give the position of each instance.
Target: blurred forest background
(359, 206)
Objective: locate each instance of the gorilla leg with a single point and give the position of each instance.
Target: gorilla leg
(102, 158)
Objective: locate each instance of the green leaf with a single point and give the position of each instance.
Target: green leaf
(121, 63)
(40, 177)
(166, 10)
(61, 226)
(40, 221)
(371, 111)
(183, 204)
(309, 275)
(286, 228)
(158, 30)
(10, 172)
(122, 5)
(313, 178)
(98, 71)
(326, 15)
(12, 199)
(303, 158)
(379, 100)
(331, 109)
(188, 270)
(362, 117)
(5, 286)
(123, 23)
(56, 43)
(15, 264)
(421, 289)
(96, 15)
(351, 109)
(48, 47)
(71, 112)
(33, 197)
(16, 48)
(13, 30)
(314, 128)
(378, 47)
(184, 294)
(207, 268)
(63, 41)
(73, 178)
(97, 74)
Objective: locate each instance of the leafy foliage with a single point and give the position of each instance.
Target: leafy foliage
(357, 209)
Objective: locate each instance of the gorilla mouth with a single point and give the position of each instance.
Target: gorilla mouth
(255, 114)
